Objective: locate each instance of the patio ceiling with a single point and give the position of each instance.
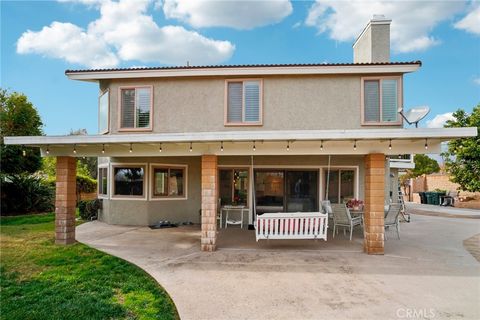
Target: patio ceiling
(300, 142)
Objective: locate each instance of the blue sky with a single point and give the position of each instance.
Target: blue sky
(40, 40)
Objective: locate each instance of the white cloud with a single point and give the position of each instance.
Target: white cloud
(124, 32)
(412, 21)
(69, 42)
(471, 22)
(234, 13)
(439, 120)
(476, 80)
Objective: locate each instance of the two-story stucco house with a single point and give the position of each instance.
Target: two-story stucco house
(175, 143)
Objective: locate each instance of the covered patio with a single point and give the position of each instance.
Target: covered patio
(371, 146)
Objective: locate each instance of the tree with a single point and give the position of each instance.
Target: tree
(462, 159)
(86, 165)
(18, 117)
(423, 165)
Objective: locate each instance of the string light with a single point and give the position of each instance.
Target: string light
(321, 145)
(191, 149)
(390, 145)
(75, 149)
(426, 144)
(254, 146)
(288, 145)
(130, 150)
(48, 150)
(103, 148)
(221, 146)
(355, 145)
(24, 152)
(160, 147)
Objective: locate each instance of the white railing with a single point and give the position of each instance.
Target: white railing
(294, 225)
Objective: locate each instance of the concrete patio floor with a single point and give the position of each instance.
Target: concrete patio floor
(427, 274)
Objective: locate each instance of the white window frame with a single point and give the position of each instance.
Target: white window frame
(107, 91)
(260, 111)
(153, 166)
(120, 110)
(144, 165)
(399, 100)
(100, 195)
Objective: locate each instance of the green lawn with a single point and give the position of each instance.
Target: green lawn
(40, 280)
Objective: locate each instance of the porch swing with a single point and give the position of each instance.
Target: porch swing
(289, 225)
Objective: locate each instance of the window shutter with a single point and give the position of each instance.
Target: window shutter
(143, 107)
(389, 100)
(371, 101)
(128, 108)
(252, 101)
(235, 95)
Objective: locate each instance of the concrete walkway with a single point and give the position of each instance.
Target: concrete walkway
(427, 273)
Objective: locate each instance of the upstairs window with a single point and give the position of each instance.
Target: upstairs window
(136, 108)
(381, 100)
(103, 102)
(243, 102)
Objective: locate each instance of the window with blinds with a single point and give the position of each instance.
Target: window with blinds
(136, 107)
(380, 100)
(244, 102)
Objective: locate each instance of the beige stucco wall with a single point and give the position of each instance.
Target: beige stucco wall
(289, 103)
(146, 212)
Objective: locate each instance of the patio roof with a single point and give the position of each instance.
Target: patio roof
(410, 140)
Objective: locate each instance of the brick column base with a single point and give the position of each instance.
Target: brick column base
(209, 203)
(374, 203)
(65, 200)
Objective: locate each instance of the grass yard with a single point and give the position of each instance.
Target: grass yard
(40, 280)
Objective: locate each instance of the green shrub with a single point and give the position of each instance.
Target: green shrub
(88, 209)
(25, 193)
(86, 184)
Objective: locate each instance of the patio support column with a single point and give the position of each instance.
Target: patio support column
(65, 200)
(374, 203)
(209, 203)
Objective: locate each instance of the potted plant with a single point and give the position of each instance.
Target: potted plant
(355, 204)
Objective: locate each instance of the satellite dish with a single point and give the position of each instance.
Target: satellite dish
(415, 114)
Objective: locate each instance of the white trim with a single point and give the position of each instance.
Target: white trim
(103, 166)
(356, 187)
(129, 165)
(244, 71)
(279, 135)
(152, 166)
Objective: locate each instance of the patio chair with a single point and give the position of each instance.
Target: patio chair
(234, 219)
(391, 218)
(327, 208)
(342, 218)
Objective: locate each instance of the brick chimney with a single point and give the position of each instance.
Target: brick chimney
(373, 44)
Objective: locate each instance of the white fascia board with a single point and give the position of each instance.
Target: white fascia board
(260, 71)
(442, 134)
(401, 165)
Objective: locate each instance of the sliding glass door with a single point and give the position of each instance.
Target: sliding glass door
(339, 185)
(286, 191)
